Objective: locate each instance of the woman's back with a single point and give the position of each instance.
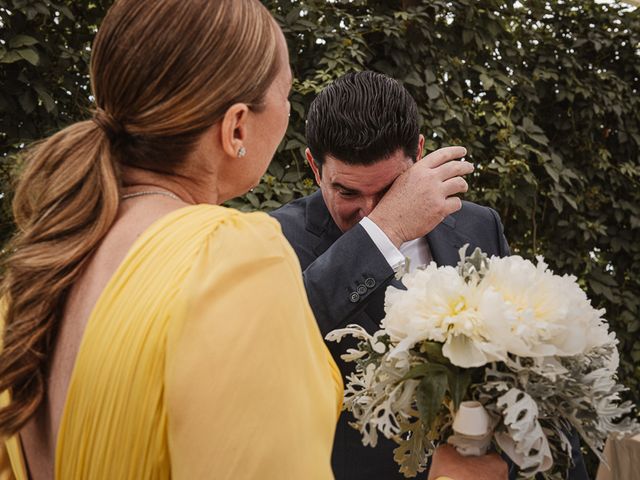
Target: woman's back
(182, 368)
(39, 435)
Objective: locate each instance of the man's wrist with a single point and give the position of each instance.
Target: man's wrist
(388, 231)
(389, 251)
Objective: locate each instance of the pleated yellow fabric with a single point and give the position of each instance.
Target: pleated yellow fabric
(202, 359)
(12, 466)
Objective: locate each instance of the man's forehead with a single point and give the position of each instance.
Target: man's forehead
(365, 177)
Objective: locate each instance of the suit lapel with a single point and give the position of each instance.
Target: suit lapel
(319, 222)
(445, 242)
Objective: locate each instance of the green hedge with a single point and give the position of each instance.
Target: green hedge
(544, 94)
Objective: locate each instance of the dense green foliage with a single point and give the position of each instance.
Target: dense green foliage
(544, 94)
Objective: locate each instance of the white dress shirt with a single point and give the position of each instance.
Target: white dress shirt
(417, 251)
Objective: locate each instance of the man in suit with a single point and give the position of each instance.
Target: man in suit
(379, 204)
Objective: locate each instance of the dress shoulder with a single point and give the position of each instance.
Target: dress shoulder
(245, 357)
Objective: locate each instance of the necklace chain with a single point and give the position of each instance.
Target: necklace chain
(151, 192)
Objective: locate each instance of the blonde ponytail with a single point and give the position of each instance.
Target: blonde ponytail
(65, 202)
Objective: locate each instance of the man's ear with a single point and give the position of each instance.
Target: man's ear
(233, 129)
(420, 147)
(316, 170)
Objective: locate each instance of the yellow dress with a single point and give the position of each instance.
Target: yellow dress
(201, 359)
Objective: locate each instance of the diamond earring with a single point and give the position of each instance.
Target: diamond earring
(242, 152)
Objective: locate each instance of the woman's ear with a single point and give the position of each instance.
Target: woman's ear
(233, 130)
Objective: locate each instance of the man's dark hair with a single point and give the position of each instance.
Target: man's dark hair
(362, 118)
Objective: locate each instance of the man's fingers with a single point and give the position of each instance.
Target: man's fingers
(452, 205)
(454, 185)
(443, 155)
(453, 168)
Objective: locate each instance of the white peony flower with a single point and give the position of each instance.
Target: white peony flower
(545, 314)
(439, 305)
(518, 307)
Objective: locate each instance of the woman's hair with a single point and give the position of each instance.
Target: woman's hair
(162, 72)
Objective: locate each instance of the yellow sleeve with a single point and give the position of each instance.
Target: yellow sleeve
(250, 389)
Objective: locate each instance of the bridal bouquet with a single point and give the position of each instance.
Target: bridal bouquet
(509, 335)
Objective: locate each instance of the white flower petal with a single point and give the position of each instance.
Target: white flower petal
(463, 352)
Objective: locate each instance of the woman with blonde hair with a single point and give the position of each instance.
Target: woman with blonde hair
(147, 331)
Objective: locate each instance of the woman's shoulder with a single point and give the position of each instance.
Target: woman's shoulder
(217, 237)
(214, 217)
(217, 225)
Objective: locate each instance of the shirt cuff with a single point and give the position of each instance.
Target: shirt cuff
(392, 255)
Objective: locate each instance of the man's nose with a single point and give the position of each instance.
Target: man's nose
(368, 204)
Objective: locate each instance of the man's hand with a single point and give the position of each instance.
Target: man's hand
(423, 195)
(447, 462)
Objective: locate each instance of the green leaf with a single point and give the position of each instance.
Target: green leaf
(455, 88)
(487, 81)
(459, 381)
(47, 100)
(424, 369)
(553, 173)
(10, 57)
(22, 41)
(570, 200)
(30, 55)
(429, 396)
(414, 79)
(433, 351)
(27, 102)
(66, 12)
(271, 204)
(431, 78)
(433, 91)
(253, 199)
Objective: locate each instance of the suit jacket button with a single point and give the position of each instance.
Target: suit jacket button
(370, 282)
(361, 289)
(354, 297)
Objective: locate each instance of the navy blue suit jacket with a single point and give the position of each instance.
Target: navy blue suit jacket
(346, 276)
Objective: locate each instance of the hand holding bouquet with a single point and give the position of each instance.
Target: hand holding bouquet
(524, 343)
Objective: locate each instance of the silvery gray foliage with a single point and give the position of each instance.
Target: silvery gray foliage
(577, 392)
(523, 439)
(473, 267)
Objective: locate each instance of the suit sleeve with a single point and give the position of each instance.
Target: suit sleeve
(503, 246)
(340, 280)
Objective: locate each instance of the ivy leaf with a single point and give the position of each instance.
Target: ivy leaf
(487, 81)
(47, 100)
(27, 101)
(433, 91)
(253, 199)
(10, 57)
(30, 55)
(22, 41)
